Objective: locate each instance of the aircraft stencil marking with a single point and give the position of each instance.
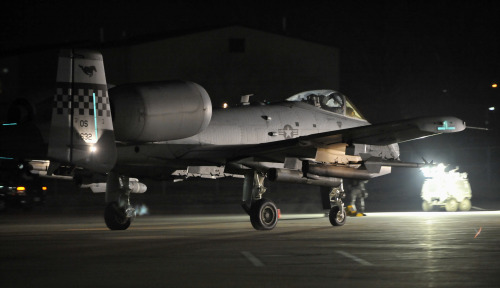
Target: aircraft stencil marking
(89, 70)
(288, 132)
(95, 116)
(61, 103)
(445, 127)
(84, 104)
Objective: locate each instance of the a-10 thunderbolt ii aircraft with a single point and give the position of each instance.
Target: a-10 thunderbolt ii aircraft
(169, 130)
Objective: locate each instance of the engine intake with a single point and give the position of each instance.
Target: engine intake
(159, 111)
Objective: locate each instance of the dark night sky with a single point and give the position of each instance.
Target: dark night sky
(395, 55)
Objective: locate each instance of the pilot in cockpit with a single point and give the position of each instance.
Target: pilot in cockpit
(313, 99)
(328, 100)
(331, 102)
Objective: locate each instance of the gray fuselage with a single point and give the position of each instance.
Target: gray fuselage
(242, 125)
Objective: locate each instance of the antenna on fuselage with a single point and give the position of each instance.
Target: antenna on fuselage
(245, 99)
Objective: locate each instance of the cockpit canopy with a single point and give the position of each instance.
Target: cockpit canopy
(329, 100)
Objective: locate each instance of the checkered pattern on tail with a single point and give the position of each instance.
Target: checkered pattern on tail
(83, 101)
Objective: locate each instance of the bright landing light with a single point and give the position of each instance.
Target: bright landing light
(491, 108)
(93, 149)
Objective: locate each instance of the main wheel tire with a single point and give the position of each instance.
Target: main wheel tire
(115, 217)
(263, 215)
(426, 206)
(337, 217)
(465, 205)
(451, 205)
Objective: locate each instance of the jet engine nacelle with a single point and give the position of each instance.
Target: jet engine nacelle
(159, 111)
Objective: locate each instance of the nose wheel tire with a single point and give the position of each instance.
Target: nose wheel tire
(115, 217)
(337, 217)
(263, 214)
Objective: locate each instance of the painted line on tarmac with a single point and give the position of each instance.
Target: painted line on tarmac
(255, 261)
(352, 257)
(85, 229)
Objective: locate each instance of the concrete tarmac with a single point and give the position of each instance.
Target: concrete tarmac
(416, 249)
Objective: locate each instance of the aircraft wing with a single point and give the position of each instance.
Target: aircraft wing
(306, 146)
(392, 132)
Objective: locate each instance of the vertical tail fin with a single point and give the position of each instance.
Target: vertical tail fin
(82, 129)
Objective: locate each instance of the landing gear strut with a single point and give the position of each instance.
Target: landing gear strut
(118, 213)
(263, 212)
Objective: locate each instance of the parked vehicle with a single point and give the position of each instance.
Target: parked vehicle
(22, 196)
(448, 189)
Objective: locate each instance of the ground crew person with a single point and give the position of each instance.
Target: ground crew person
(358, 190)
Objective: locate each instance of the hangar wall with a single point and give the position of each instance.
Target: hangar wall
(229, 62)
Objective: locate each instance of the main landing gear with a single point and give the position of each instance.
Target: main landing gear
(337, 214)
(263, 212)
(118, 213)
(332, 199)
(116, 216)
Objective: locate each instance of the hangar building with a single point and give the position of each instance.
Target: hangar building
(228, 62)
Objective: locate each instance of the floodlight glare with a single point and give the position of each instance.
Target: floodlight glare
(434, 171)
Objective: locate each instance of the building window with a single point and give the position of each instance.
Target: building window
(236, 45)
